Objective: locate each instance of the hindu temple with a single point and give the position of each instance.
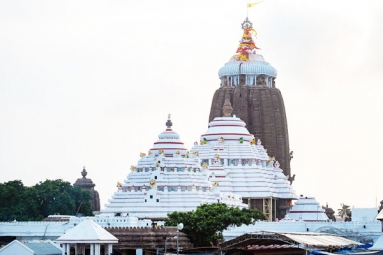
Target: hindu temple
(87, 184)
(248, 83)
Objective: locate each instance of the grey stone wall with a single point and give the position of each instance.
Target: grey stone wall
(263, 110)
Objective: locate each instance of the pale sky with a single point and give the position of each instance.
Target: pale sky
(90, 83)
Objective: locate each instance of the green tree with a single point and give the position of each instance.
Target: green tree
(16, 202)
(344, 210)
(57, 196)
(45, 198)
(204, 226)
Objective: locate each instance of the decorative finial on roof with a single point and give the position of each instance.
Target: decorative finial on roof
(227, 110)
(246, 44)
(169, 123)
(84, 172)
(247, 24)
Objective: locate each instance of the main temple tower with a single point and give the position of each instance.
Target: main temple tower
(248, 82)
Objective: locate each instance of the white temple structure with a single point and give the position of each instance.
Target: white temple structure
(238, 164)
(225, 167)
(87, 235)
(306, 209)
(168, 179)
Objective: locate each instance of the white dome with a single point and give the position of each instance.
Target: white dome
(255, 66)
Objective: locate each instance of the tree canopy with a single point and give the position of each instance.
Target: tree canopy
(344, 210)
(45, 198)
(204, 226)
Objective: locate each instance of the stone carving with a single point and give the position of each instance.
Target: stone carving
(261, 80)
(291, 179)
(227, 109)
(242, 80)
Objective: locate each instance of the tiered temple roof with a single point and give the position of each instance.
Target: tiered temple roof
(239, 164)
(168, 179)
(227, 165)
(306, 209)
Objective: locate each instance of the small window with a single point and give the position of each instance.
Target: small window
(158, 200)
(155, 177)
(145, 200)
(151, 196)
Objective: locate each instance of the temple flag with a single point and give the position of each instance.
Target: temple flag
(253, 4)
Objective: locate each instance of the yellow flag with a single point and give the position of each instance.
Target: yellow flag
(252, 4)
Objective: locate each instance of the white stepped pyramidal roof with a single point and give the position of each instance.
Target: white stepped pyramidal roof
(240, 164)
(167, 179)
(307, 209)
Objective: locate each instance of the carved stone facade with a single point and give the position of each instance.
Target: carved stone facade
(262, 108)
(149, 238)
(87, 184)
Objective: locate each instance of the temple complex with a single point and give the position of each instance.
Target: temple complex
(87, 184)
(248, 83)
(227, 166)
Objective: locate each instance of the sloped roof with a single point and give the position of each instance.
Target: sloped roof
(380, 215)
(20, 247)
(43, 248)
(308, 240)
(87, 232)
(378, 245)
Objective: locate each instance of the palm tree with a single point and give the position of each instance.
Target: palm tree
(344, 211)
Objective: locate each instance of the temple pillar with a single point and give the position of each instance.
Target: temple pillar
(91, 249)
(63, 249)
(97, 249)
(67, 250)
(76, 249)
(108, 249)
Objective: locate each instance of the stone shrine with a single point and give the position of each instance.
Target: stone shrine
(87, 184)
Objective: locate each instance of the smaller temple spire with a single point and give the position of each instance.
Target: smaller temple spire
(169, 123)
